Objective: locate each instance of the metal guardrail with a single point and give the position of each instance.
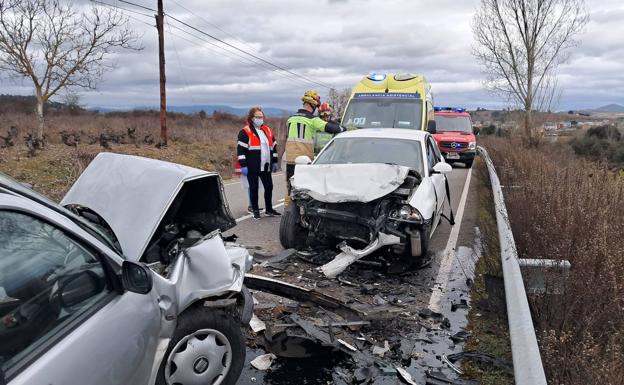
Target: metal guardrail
(527, 362)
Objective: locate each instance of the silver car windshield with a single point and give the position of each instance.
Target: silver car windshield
(373, 150)
(383, 112)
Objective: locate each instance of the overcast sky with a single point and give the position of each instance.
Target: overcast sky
(336, 42)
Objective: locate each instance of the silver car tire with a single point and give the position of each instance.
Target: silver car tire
(207, 349)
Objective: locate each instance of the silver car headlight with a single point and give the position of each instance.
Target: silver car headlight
(472, 145)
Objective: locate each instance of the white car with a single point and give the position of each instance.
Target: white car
(369, 189)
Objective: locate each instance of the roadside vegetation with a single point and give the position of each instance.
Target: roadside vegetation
(601, 143)
(74, 138)
(487, 318)
(566, 207)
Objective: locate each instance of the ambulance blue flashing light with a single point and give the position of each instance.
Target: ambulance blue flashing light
(377, 77)
(452, 109)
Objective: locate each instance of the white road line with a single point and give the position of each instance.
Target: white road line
(232, 183)
(251, 215)
(448, 256)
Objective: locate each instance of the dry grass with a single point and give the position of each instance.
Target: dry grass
(73, 141)
(567, 208)
(487, 324)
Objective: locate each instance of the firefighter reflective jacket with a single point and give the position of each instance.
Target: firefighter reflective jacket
(248, 148)
(301, 130)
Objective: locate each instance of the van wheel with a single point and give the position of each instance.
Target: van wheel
(207, 347)
(291, 234)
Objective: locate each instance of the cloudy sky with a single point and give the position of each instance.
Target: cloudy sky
(335, 42)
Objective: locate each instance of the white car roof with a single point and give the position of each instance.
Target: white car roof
(393, 133)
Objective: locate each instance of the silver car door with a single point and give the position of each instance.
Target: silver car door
(66, 321)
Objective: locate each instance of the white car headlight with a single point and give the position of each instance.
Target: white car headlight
(472, 145)
(407, 213)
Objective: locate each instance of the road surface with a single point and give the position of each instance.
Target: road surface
(435, 287)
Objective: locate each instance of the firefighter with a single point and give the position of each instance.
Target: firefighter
(325, 111)
(302, 127)
(257, 154)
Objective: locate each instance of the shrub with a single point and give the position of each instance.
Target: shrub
(570, 208)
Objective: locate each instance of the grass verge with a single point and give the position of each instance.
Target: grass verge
(487, 322)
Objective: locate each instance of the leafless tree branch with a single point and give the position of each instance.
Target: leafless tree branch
(520, 44)
(58, 46)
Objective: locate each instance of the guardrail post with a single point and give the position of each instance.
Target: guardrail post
(527, 362)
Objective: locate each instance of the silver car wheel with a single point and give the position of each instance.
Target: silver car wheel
(201, 358)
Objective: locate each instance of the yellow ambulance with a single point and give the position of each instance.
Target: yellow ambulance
(383, 100)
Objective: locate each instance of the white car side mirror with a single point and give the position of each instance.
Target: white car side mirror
(442, 168)
(303, 159)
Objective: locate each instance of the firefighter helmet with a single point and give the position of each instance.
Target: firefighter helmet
(325, 109)
(312, 98)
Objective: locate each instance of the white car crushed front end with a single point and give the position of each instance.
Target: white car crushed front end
(363, 208)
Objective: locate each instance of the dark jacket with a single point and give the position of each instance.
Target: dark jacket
(248, 149)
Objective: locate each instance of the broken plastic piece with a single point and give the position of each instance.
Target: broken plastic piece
(350, 255)
(264, 361)
(405, 376)
(379, 351)
(347, 345)
(256, 324)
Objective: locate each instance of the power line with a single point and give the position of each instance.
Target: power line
(281, 68)
(229, 54)
(216, 27)
(249, 54)
(236, 56)
(127, 10)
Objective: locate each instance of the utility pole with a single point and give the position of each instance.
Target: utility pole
(160, 18)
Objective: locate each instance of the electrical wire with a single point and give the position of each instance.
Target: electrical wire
(278, 67)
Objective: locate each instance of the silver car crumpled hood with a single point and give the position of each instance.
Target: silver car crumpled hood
(134, 195)
(356, 182)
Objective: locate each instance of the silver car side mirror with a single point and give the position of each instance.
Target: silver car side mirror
(136, 277)
(442, 168)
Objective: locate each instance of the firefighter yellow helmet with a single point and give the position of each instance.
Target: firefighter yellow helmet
(312, 98)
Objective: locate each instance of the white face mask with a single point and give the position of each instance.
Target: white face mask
(258, 122)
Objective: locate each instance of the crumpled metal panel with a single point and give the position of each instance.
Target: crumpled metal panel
(206, 269)
(132, 194)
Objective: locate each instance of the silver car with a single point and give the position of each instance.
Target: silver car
(128, 281)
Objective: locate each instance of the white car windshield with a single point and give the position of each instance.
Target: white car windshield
(383, 112)
(373, 150)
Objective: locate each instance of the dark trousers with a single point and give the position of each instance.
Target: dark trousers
(267, 183)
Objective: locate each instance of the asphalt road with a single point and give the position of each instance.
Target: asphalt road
(436, 287)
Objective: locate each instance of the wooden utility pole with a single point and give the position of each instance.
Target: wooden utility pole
(160, 18)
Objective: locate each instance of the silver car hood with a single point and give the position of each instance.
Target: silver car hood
(133, 194)
(356, 182)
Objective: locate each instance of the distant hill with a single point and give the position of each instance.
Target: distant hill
(208, 108)
(610, 108)
(27, 104)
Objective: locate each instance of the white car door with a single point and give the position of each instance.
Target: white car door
(63, 319)
(438, 180)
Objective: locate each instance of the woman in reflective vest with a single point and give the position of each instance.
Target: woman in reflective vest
(257, 155)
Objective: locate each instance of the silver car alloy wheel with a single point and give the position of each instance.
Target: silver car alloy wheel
(201, 358)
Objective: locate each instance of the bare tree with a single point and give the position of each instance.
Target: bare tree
(58, 47)
(520, 44)
(338, 100)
